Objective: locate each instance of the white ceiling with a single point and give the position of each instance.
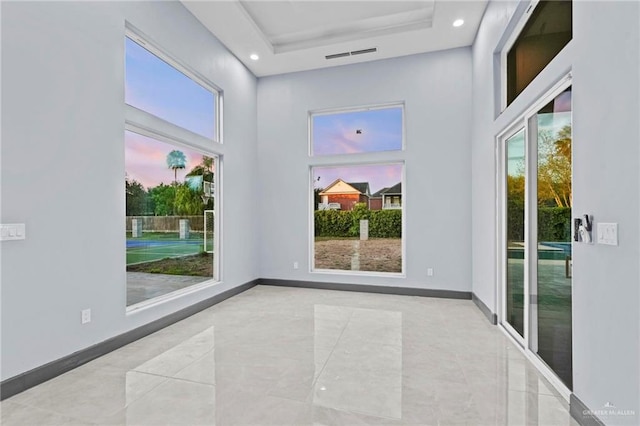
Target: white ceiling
(296, 35)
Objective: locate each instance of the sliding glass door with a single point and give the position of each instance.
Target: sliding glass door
(551, 335)
(536, 252)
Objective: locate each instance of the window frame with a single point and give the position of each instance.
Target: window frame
(525, 121)
(146, 124)
(506, 48)
(145, 42)
(333, 111)
(311, 230)
(515, 33)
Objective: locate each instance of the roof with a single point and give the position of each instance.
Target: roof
(395, 189)
(379, 193)
(355, 187)
(363, 187)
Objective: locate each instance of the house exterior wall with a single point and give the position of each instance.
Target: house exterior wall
(347, 201)
(375, 204)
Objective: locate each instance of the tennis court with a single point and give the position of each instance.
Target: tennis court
(156, 246)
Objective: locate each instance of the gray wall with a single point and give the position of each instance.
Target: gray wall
(603, 59)
(63, 164)
(436, 89)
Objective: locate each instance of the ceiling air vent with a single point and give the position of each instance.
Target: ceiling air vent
(360, 52)
(338, 55)
(352, 53)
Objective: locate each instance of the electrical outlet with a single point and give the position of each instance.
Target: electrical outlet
(86, 316)
(429, 272)
(295, 265)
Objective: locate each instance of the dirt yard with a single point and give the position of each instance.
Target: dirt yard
(200, 265)
(375, 255)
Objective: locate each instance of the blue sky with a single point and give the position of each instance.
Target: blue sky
(381, 130)
(154, 86)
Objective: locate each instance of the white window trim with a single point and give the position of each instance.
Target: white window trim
(217, 256)
(137, 36)
(147, 124)
(311, 231)
(332, 111)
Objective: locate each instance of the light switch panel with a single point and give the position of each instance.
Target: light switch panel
(12, 231)
(608, 234)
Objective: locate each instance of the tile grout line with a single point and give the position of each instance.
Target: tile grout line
(315, 380)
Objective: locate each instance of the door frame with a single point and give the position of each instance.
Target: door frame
(527, 122)
(516, 127)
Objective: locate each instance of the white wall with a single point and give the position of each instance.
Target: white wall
(603, 58)
(63, 164)
(436, 89)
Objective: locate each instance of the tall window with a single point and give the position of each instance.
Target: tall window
(547, 30)
(155, 86)
(357, 208)
(170, 175)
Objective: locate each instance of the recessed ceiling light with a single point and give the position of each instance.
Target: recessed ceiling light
(458, 22)
(254, 56)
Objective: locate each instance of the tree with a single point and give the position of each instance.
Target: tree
(136, 198)
(176, 160)
(163, 197)
(554, 168)
(203, 169)
(515, 188)
(188, 201)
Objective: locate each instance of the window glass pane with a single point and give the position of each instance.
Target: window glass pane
(169, 217)
(552, 313)
(515, 150)
(547, 31)
(156, 87)
(355, 132)
(358, 218)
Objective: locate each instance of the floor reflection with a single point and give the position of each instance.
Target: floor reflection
(298, 357)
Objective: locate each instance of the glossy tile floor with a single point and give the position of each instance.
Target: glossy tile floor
(285, 356)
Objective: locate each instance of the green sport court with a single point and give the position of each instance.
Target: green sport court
(154, 246)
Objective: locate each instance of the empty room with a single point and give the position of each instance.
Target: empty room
(306, 212)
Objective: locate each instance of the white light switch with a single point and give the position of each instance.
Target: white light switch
(12, 231)
(608, 234)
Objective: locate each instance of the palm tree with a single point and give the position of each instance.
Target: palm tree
(176, 160)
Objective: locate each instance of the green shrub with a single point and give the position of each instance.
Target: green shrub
(332, 223)
(554, 223)
(336, 223)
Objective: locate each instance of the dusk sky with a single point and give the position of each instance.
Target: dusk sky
(378, 175)
(381, 130)
(154, 86)
(146, 160)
